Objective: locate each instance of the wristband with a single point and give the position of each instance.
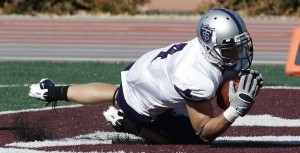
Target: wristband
(230, 114)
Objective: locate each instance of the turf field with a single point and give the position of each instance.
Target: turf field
(27, 126)
(16, 76)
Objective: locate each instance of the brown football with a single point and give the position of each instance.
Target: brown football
(222, 96)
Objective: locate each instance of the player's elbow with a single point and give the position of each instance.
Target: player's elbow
(205, 136)
(207, 139)
(211, 135)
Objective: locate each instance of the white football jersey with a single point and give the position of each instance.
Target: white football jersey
(166, 78)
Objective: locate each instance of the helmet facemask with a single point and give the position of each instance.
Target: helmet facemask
(234, 53)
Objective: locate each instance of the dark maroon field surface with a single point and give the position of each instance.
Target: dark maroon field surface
(70, 122)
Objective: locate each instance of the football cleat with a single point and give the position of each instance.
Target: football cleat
(45, 82)
(114, 116)
(40, 91)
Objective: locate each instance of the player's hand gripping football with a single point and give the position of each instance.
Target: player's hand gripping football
(40, 90)
(242, 100)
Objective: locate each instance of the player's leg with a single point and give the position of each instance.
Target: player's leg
(153, 136)
(128, 120)
(121, 123)
(92, 93)
(167, 128)
(176, 127)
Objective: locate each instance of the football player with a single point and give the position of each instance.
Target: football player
(165, 96)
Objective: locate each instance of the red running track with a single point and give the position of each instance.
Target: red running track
(123, 38)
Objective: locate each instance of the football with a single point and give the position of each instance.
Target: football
(222, 96)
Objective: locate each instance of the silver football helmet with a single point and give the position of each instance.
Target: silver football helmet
(224, 36)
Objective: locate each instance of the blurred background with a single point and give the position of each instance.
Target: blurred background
(132, 7)
(123, 30)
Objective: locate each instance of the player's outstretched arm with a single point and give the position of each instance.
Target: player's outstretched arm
(208, 127)
(91, 93)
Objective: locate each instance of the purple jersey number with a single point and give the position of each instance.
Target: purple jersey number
(175, 48)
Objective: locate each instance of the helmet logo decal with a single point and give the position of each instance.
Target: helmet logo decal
(206, 33)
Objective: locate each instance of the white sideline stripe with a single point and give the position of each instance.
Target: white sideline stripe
(13, 85)
(266, 120)
(19, 150)
(96, 138)
(27, 85)
(54, 143)
(107, 138)
(19, 85)
(39, 109)
(281, 87)
(280, 139)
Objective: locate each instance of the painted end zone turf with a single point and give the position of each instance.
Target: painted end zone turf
(271, 126)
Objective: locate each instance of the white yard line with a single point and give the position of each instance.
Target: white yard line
(281, 87)
(20, 85)
(96, 138)
(13, 85)
(280, 140)
(108, 137)
(39, 109)
(55, 143)
(266, 120)
(27, 85)
(22, 150)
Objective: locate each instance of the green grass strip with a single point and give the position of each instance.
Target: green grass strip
(22, 73)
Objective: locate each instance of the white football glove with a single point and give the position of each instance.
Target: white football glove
(40, 90)
(243, 99)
